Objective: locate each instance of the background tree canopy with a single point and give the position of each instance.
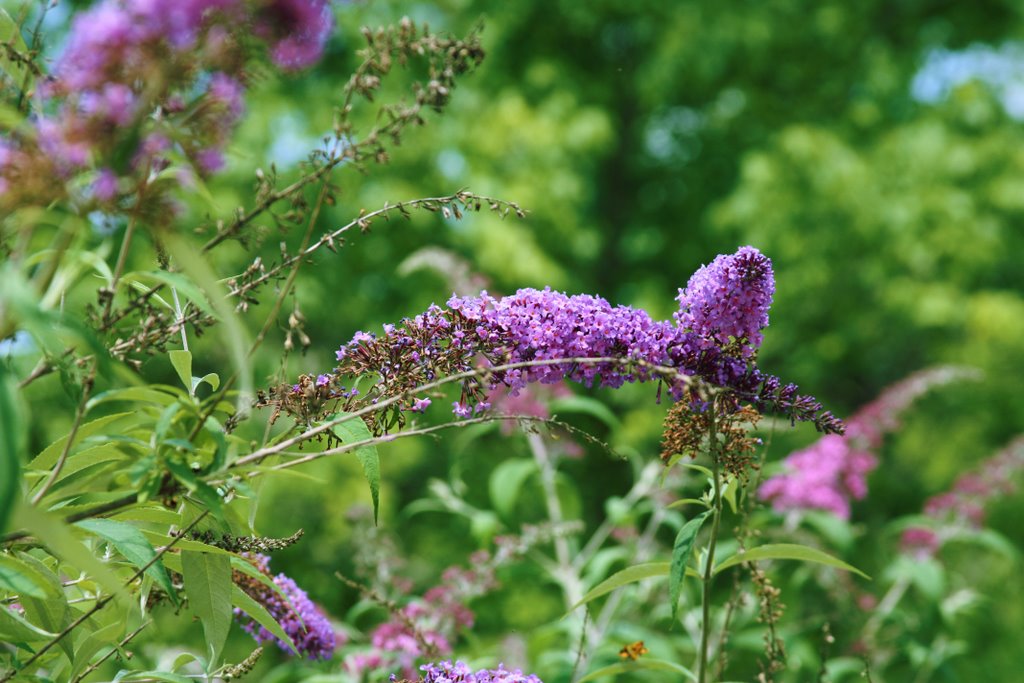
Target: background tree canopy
(874, 150)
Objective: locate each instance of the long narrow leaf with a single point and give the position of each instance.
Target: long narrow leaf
(639, 665)
(787, 551)
(354, 431)
(681, 551)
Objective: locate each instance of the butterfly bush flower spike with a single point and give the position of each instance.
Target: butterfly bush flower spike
(713, 339)
(728, 300)
(833, 471)
(447, 672)
(133, 71)
(303, 621)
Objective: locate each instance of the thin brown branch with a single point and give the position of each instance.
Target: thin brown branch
(260, 454)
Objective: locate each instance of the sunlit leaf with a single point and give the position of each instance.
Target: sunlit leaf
(787, 551)
(182, 362)
(353, 431)
(627, 576)
(643, 664)
(132, 544)
(19, 577)
(207, 578)
(15, 629)
(681, 551)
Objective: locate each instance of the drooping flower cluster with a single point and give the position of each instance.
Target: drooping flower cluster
(587, 340)
(833, 470)
(963, 506)
(303, 621)
(142, 81)
(447, 672)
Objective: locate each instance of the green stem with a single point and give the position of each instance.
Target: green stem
(709, 563)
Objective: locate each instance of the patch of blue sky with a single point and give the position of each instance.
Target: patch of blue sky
(1001, 68)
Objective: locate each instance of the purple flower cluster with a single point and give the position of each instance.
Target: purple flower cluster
(534, 325)
(832, 471)
(727, 301)
(717, 331)
(141, 78)
(447, 672)
(963, 506)
(303, 621)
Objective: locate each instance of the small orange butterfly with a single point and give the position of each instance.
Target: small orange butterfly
(633, 651)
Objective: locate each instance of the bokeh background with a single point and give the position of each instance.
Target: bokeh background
(873, 149)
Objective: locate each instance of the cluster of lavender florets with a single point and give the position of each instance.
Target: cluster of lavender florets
(303, 621)
(727, 301)
(714, 339)
(459, 672)
(142, 81)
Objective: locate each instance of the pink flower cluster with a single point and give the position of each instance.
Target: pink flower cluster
(427, 624)
(963, 506)
(141, 79)
(833, 470)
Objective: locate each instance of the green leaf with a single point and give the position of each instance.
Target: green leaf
(13, 424)
(643, 664)
(92, 643)
(787, 551)
(687, 501)
(185, 287)
(154, 514)
(182, 362)
(183, 544)
(167, 676)
(133, 395)
(235, 339)
(15, 629)
(21, 578)
(506, 481)
(352, 431)
(207, 578)
(242, 601)
(699, 468)
(211, 378)
(85, 458)
(57, 536)
(51, 611)
(11, 33)
(48, 458)
(681, 551)
(628, 575)
(132, 544)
